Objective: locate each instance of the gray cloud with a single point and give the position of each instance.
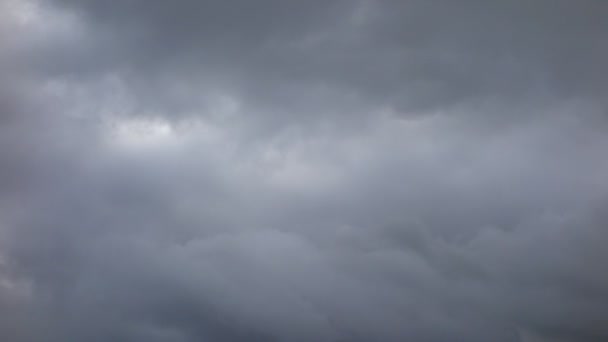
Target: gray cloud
(312, 171)
(411, 55)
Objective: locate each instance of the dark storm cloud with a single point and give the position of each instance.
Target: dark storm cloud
(303, 171)
(411, 55)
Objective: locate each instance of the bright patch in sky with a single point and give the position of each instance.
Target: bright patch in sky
(142, 133)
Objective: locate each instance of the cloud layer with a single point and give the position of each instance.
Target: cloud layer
(303, 171)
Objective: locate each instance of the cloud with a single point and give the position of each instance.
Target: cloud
(319, 171)
(409, 55)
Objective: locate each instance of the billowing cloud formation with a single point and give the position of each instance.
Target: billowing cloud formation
(303, 171)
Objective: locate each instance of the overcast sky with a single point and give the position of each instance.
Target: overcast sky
(303, 171)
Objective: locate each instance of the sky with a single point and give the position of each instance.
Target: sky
(320, 170)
